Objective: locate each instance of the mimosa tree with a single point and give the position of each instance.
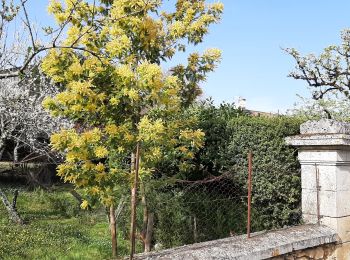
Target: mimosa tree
(126, 107)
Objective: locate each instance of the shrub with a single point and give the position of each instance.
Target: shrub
(230, 134)
(276, 171)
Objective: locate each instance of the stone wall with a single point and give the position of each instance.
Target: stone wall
(324, 155)
(322, 252)
(307, 240)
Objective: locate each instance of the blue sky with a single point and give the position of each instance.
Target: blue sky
(251, 35)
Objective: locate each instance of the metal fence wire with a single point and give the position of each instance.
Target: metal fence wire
(174, 212)
(179, 212)
(188, 212)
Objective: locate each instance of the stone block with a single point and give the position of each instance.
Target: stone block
(328, 204)
(327, 177)
(332, 203)
(342, 252)
(308, 177)
(341, 225)
(320, 141)
(318, 253)
(313, 157)
(270, 245)
(344, 155)
(310, 218)
(331, 178)
(343, 178)
(325, 126)
(309, 202)
(343, 203)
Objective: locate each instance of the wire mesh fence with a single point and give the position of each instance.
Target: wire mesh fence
(194, 211)
(178, 212)
(174, 212)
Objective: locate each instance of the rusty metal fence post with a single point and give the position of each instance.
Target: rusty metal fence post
(250, 164)
(318, 188)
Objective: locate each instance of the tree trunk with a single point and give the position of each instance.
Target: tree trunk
(2, 149)
(112, 225)
(77, 196)
(13, 214)
(195, 232)
(145, 216)
(15, 153)
(149, 233)
(14, 201)
(120, 208)
(134, 170)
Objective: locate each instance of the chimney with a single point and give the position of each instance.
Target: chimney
(241, 103)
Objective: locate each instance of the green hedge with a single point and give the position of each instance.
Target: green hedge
(276, 171)
(221, 209)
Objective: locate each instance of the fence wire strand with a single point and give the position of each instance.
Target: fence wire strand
(187, 212)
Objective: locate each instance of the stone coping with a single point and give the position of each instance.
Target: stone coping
(325, 126)
(319, 140)
(261, 245)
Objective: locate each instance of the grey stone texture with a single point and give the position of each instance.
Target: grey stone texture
(325, 126)
(263, 245)
(324, 155)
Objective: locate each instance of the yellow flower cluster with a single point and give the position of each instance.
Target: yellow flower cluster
(101, 152)
(118, 45)
(151, 131)
(111, 129)
(92, 136)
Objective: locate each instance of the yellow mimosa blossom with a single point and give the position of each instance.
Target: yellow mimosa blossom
(100, 167)
(101, 152)
(84, 204)
(94, 190)
(111, 129)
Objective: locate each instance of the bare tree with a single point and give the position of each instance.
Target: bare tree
(23, 120)
(14, 60)
(328, 73)
(23, 87)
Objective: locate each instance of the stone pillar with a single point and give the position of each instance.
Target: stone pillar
(324, 155)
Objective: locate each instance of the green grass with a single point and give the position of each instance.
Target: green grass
(56, 228)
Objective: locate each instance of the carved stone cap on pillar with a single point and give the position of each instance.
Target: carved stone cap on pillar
(325, 126)
(324, 156)
(325, 132)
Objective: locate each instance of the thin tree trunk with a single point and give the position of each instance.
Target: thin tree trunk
(77, 196)
(14, 201)
(120, 208)
(113, 228)
(73, 192)
(145, 216)
(195, 232)
(13, 214)
(2, 149)
(149, 233)
(15, 153)
(134, 201)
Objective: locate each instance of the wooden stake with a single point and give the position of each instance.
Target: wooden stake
(113, 228)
